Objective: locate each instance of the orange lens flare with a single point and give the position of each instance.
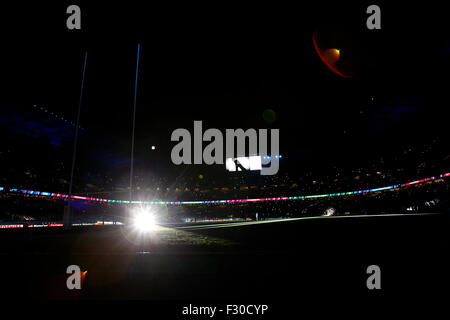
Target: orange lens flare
(330, 57)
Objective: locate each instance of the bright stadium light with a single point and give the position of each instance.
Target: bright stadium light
(144, 221)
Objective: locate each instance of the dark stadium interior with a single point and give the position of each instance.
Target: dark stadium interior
(230, 68)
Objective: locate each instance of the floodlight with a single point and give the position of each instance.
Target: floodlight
(144, 221)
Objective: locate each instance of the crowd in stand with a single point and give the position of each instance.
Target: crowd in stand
(407, 165)
(51, 174)
(428, 197)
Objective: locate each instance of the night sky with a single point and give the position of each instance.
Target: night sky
(225, 64)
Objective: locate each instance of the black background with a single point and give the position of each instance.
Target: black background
(225, 63)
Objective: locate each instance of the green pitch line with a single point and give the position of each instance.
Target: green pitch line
(247, 223)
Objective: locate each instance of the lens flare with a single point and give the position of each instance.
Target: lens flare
(144, 221)
(329, 56)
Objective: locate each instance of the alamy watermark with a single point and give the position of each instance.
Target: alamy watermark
(213, 153)
(374, 280)
(76, 277)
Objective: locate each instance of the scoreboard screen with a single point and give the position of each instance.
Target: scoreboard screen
(244, 163)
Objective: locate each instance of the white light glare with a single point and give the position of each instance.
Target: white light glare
(144, 221)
